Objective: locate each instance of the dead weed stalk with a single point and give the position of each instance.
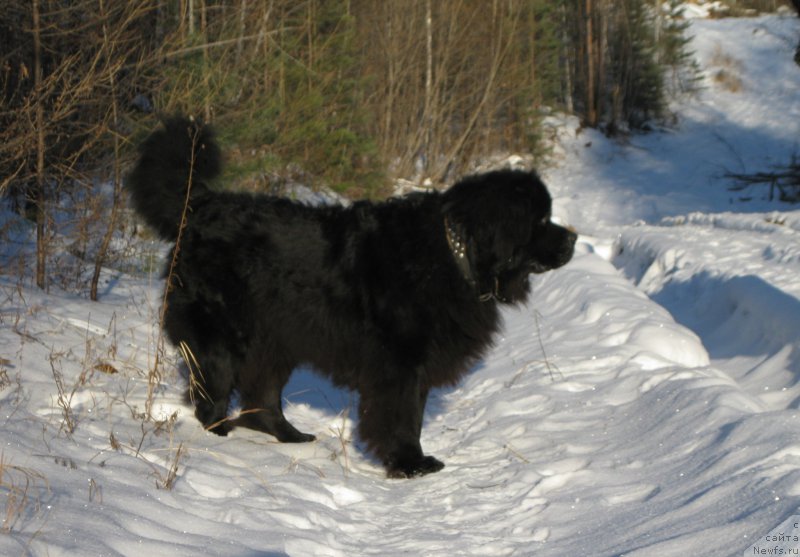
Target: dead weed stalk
(17, 483)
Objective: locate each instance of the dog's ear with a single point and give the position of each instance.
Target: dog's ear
(497, 255)
(497, 235)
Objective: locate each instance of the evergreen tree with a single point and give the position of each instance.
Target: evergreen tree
(539, 73)
(622, 60)
(682, 73)
(638, 92)
(289, 97)
(320, 120)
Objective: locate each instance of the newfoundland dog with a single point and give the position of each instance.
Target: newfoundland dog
(389, 299)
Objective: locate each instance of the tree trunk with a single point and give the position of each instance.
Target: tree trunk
(427, 112)
(41, 215)
(206, 74)
(591, 75)
(569, 70)
(112, 221)
(796, 4)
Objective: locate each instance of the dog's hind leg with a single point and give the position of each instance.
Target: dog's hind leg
(210, 385)
(262, 408)
(208, 356)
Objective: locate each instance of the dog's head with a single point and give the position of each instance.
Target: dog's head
(501, 220)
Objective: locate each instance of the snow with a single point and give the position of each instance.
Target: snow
(644, 403)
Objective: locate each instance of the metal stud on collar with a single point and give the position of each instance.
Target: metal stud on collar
(459, 248)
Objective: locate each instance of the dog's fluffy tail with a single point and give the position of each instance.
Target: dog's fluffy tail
(176, 160)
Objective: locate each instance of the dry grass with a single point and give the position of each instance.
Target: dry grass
(727, 72)
(69, 420)
(4, 380)
(74, 377)
(167, 481)
(22, 489)
(340, 431)
(728, 80)
(530, 365)
(195, 374)
(92, 376)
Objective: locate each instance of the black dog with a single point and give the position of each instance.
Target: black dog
(389, 299)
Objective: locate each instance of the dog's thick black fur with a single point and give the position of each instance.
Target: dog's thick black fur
(389, 299)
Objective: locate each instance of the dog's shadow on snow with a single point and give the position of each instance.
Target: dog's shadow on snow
(307, 387)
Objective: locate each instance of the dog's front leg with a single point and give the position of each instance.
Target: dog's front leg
(390, 422)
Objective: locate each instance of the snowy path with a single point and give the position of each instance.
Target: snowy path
(733, 279)
(630, 442)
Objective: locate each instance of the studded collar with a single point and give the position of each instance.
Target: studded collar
(458, 247)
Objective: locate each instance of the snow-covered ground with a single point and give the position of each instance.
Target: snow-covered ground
(645, 402)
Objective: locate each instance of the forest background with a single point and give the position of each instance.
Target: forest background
(342, 94)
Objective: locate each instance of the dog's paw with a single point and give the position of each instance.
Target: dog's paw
(299, 437)
(413, 469)
(221, 429)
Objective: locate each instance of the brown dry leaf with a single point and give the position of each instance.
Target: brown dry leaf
(106, 368)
